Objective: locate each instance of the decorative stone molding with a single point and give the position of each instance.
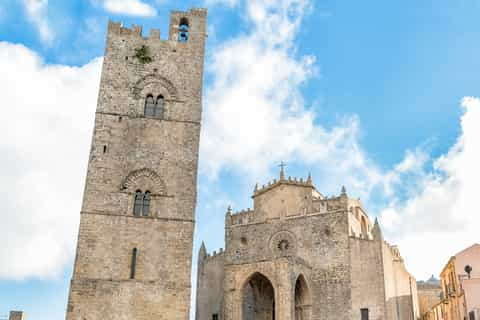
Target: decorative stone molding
(157, 185)
(158, 79)
(283, 243)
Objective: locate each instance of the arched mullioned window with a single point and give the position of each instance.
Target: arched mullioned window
(149, 106)
(138, 205)
(142, 203)
(183, 29)
(159, 106)
(154, 109)
(146, 203)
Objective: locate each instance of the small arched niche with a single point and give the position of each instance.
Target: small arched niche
(258, 298)
(303, 301)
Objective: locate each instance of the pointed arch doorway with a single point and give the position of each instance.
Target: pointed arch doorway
(258, 299)
(303, 303)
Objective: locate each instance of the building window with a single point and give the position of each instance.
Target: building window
(159, 107)
(133, 264)
(146, 203)
(137, 208)
(183, 30)
(364, 314)
(149, 106)
(154, 109)
(215, 316)
(141, 206)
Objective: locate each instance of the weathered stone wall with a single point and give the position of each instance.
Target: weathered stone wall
(131, 152)
(292, 234)
(210, 284)
(367, 278)
(288, 199)
(317, 248)
(400, 287)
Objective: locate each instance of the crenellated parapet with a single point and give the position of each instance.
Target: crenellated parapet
(117, 28)
(193, 19)
(205, 256)
(292, 181)
(215, 254)
(324, 205)
(291, 198)
(241, 217)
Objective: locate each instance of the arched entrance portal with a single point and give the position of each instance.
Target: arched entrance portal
(303, 303)
(258, 299)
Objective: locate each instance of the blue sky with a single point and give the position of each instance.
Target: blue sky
(374, 95)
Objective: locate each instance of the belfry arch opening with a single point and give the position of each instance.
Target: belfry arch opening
(258, 301)
(303, 303)
(183, 30)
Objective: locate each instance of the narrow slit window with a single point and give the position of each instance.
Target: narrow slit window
(137, 207)
(149, 106)
(146, 203)
(215, 316)
(105, 149)
(183, 30)
(133, 265)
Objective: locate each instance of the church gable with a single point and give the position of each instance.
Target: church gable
(284, 197)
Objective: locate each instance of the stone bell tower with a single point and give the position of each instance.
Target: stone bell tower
(135, 240)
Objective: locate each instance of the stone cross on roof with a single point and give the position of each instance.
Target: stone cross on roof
(282, 170)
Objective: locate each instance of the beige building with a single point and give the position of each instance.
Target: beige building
(429, 295)
(298, 255)
(460, 283)
(437, 312)
(134, 250)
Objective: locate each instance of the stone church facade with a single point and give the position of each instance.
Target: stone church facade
(137, 220)
(298, 255)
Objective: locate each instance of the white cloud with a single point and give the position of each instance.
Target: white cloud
(37, 13)
(46, 123)
(228, 3)
(130, 7)
(255, 115)
(440, 216)
(254, 112)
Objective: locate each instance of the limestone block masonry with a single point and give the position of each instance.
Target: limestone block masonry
(298, 255)
(138, 266)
